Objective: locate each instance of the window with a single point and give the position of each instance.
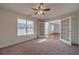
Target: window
(21, 27)
(30, 27)
(52, 27)
(25, 27)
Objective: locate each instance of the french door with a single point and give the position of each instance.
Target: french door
(66, 30)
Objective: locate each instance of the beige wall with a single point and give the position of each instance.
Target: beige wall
(8, 28)
(78, 27)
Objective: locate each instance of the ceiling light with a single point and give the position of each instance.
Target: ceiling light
(41, 9)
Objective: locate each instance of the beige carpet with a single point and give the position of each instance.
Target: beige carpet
(41, 47)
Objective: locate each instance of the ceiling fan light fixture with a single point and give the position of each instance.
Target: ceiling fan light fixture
(40, 9)
(40, 12)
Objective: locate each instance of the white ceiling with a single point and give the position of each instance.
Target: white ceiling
(57, 9)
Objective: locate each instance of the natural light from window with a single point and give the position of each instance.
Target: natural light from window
(25, 27)
(30, 27)
(21, 27)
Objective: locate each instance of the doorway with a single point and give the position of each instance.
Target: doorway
(59, 29)
(53, 29)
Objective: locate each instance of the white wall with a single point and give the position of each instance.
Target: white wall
(8, 28)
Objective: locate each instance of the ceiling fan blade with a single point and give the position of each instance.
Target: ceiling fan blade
(39, 7)
(41, 3)
(34, 9)
(43, 13)
(36, 13)
(46, 9)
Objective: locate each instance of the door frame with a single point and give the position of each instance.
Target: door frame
(67, 18)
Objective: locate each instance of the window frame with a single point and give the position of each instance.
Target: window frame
(33, 27)
(19, 28)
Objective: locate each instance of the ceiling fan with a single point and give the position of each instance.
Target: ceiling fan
(40, 9)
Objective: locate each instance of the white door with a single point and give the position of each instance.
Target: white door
(66, 30)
